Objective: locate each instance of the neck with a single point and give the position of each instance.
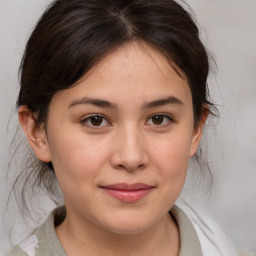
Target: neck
(160, 239)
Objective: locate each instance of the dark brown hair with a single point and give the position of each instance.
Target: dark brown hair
(72, 36)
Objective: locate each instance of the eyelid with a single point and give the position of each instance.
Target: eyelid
(164, 115)
(87, 118)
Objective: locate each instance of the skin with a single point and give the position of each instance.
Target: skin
(130, 145)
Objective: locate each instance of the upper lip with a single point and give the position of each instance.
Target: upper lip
(128, 187)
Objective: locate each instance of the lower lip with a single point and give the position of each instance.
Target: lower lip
(128, 196)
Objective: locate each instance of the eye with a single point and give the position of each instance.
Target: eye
(95, 121)
(160, 120)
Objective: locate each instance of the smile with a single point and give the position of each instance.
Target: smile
(128, 193)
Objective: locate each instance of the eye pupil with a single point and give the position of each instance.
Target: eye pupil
(96, 120)
(158, 119)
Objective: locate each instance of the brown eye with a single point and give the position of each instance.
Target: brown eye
(160, 120)
(157, 120)
(96, 120)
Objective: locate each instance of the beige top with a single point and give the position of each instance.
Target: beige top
(46, 243)
(189, 242)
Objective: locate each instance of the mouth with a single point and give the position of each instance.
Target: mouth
(128, 193)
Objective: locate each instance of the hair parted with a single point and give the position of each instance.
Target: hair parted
(72, 36)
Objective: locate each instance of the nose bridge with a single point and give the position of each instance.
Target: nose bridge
(130, 152)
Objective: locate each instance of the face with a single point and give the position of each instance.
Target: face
(120, 140)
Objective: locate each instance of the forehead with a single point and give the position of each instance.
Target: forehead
(132, 72)
(138, 58)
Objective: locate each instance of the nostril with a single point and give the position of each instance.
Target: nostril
(141, 166)
(130, 168)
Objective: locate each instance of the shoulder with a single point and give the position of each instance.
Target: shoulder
(16, 251)
(245, 253)
(213, 241)
(25, 248)
(44, 241)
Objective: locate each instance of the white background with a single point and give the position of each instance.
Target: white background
(228, 28)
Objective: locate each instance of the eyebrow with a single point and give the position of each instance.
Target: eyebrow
(162, 102)
(107, 104)
(94, 102)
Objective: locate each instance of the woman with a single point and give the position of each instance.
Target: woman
(113, 102)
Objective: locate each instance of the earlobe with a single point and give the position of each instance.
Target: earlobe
(35, 134)
(198, 132)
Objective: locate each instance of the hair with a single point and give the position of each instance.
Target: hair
(72, 36)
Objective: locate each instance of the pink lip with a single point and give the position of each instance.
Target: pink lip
(128, 192)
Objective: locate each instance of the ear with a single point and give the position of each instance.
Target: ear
(35, 133)
(198, 132)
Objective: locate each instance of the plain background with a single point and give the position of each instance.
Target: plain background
(228, 28)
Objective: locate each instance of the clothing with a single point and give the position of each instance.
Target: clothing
(196, 237)
(212, 240)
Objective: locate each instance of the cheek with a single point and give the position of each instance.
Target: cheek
(76, 157)
(171, 157)
(174, 151)
(77, 163)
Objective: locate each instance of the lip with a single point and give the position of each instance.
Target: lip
(128, 193)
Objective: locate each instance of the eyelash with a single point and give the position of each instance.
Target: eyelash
(89, 119)
(167, 118)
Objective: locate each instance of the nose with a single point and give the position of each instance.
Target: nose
(129, 151)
